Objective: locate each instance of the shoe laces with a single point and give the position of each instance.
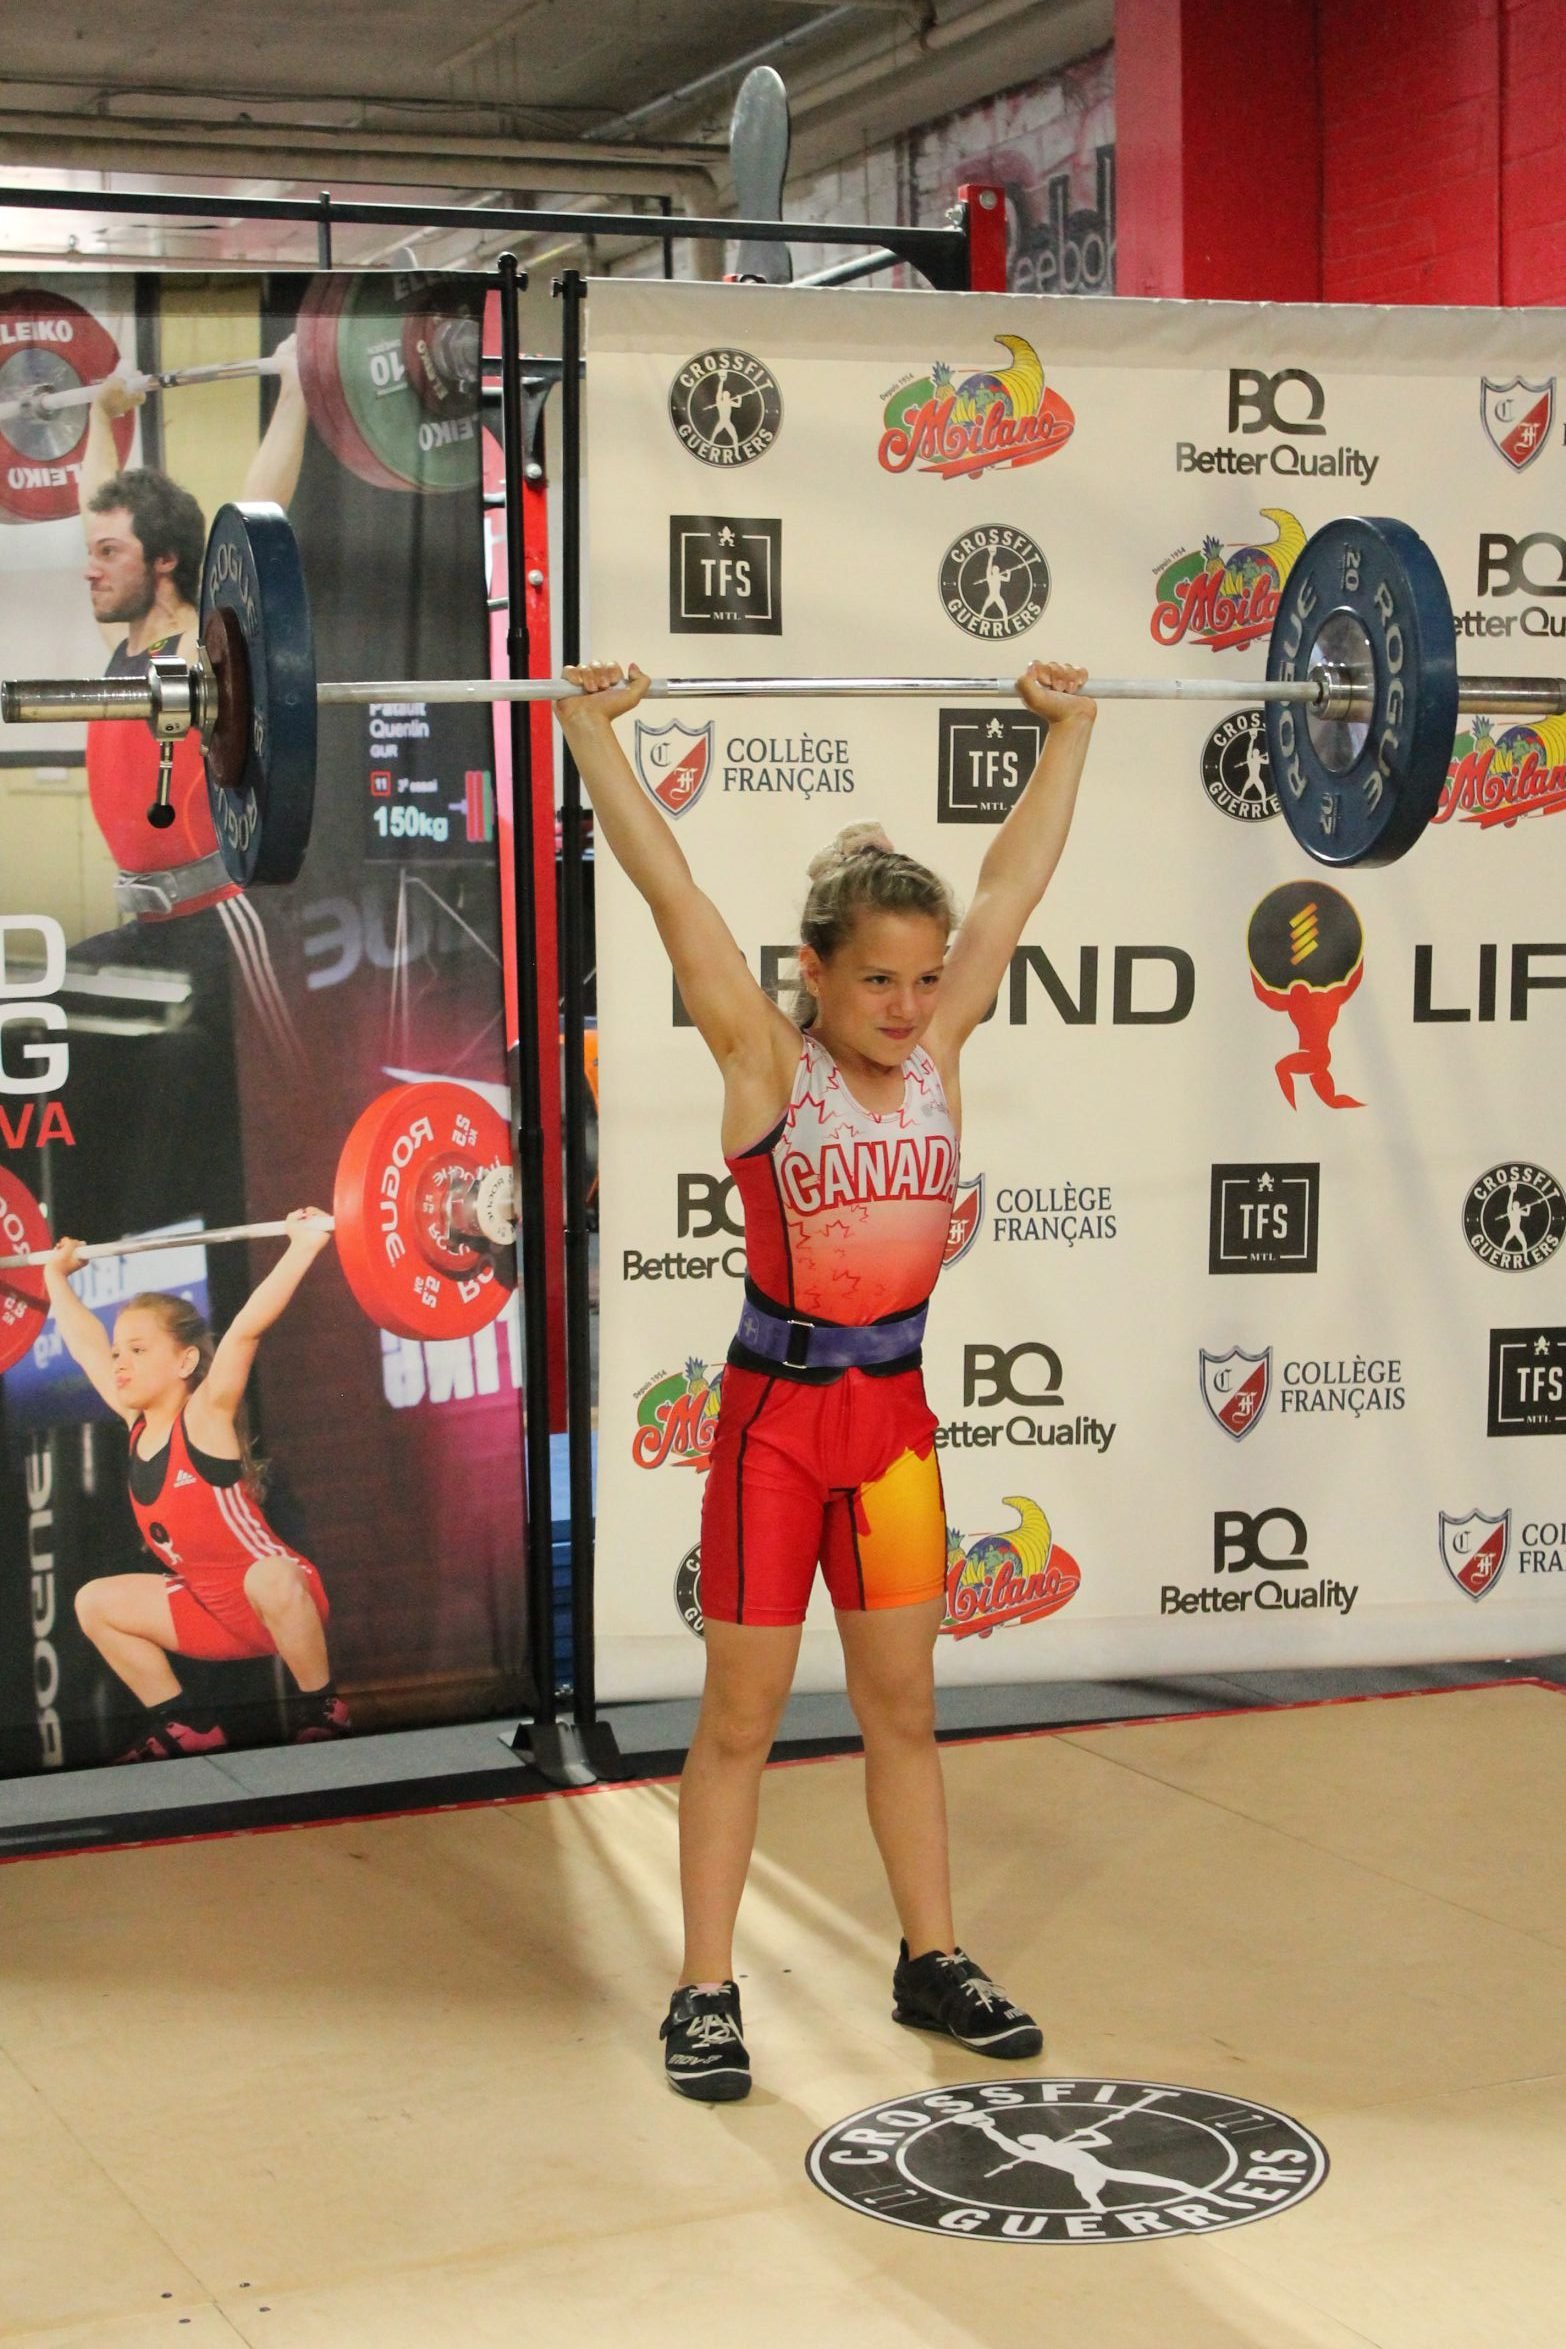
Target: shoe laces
(974, 1983)
(710, 2029)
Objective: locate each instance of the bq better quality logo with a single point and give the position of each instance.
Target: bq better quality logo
(677, 1417)
(1067, 2161)
(955, 423)
(1498, 778)
(1226, 596)
(1001, 1578)
(673, 762)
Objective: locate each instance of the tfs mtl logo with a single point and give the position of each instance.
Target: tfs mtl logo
(725, 575)
(1264, 1218)
(1527, 1382)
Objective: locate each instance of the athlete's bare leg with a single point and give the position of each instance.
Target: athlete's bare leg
(750, 1670)
(127, 1618)
(276, 1590)
(890, 1656)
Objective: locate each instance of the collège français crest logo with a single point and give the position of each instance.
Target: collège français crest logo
(673, 763)
(956, 422)
(1517, 417)
(1473, 1549)
(1236, 1387)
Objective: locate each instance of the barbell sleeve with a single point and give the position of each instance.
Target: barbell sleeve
(44, 402)
(146, 1242)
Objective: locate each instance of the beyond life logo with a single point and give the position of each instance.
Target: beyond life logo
(1307, 956)
(1007, 1578)
(1516, 417)
(1224, 597)
(725, 407)
(956, 423)
(677, 1417)
(1498, 778)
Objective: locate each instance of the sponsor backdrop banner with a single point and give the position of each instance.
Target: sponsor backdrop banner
(1252, 1333)
(175, 1056)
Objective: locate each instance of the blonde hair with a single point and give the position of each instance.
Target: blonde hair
(861, 872)
(180, 1320)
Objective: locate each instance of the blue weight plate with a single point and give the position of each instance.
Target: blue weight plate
(1364, 592)
(262, 814)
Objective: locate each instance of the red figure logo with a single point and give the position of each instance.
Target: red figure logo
(1307, 954)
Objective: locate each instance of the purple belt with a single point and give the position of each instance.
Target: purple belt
(827, 1345)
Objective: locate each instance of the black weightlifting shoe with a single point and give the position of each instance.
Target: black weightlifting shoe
(954, 1996)
(704, 2055)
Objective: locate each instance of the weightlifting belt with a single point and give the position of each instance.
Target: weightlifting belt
(156, 896)
(781, 1337)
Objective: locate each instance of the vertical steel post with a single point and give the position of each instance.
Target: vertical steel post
(536, 1413)
(323, 234)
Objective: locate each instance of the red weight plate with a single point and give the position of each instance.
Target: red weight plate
(395, 1171)
(321, 380)
(49, 343)
(24, 1301)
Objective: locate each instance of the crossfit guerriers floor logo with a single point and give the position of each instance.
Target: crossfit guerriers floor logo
(1514, 1217)
(1497, 779)
(994, 581)
(725, 407)
(1517, 417)
(1001, 1578)
(956, 423)
(673, 762)
(1236, 771)
(1068, 2161)
(1307, 955)
(1225, 596)
(1235, 1388)
(1473, 1549)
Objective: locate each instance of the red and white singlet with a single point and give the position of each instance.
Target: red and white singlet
(197, 1519)
(122, 779)
(847, 1209)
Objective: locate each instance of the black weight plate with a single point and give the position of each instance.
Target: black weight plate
(262, 815)
(1365, 590)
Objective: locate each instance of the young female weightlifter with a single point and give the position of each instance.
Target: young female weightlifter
(232, 1588)
(843, 1142)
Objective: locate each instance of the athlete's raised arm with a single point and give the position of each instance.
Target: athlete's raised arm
(222, 1390)
(84, 1336)
(1022, 858)
(737, 1020)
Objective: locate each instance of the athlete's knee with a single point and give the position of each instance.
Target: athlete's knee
(91, 1604)
(891, 1713)
(273, 1585)
(737, 1728)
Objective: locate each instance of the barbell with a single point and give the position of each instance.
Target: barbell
(1360, 701)
(424, 1212)
(390, 367)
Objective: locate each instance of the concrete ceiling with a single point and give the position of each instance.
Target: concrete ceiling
(622, 104)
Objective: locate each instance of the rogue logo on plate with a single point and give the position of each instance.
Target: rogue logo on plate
(1067, 2161)
(725, 407)
(994, 581)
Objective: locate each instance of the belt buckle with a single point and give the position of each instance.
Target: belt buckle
(801, 1359)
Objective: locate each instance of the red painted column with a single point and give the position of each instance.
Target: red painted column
(1533, 152)
(1217, 149)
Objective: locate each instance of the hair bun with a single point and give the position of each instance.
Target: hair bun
(854, 840)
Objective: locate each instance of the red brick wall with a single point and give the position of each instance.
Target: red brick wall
(1342, 150)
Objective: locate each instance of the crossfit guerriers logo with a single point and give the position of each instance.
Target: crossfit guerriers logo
(1514, 1217)
(725, 407)
(1067, 2161)
(1225, 596)
(1497, 778)
(677, 1417)
(673, 762)
(986, 758)
(687, 1591)
(956, 422)
(1517, 417)
(1307, 956)
(1473, 1549)
(725, 575)
(1235, 1388)
(1236, 770)
(1264, 1218)
(967, 1215)
(994, 581)
(1001, 1578)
